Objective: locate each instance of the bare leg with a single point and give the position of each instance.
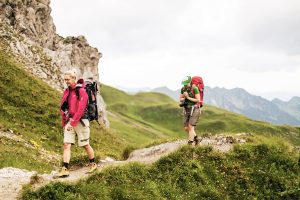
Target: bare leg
(89, 150)
(67, 152)
(192, 133)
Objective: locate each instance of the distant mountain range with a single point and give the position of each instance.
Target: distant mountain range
(255, 107)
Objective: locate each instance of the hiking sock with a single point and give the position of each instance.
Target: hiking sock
(190, 142)
(196, 140)
(92, 160)
(66, 165)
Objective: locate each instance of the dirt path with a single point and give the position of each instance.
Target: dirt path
(12, 179)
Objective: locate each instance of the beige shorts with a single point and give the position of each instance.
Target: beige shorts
(188, 119)
(82, 132)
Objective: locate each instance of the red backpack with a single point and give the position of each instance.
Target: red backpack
(198, 82)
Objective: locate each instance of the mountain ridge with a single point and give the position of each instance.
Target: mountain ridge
(240, 101)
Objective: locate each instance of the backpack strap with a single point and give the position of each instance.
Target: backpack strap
(64, 107)
(198, 104)
(78, 86)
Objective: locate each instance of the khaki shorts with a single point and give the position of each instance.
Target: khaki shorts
(188, 119)
(82, 132)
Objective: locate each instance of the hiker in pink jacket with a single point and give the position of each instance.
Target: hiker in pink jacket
(75, 121)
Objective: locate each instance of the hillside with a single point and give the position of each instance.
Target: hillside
(292, 106)
(30, 124)
(160, 111)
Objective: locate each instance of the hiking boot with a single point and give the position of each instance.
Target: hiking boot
(197, 140)
(64, 172)
(190, 142)
(92, 167)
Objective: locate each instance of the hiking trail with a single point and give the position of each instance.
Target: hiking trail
(12, 179)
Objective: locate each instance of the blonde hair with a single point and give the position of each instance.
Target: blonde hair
(72, 73)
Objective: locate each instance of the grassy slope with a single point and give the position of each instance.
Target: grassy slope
(126, 110)
(23, 103)
(163, 114)
(253, 171)
(29, 108)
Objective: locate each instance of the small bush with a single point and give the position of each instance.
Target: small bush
(127, 151)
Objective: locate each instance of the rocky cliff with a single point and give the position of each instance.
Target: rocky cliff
(27, 33)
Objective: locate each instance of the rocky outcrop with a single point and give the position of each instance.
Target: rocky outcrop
(28, 33)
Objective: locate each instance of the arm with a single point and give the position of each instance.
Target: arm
(195, 100)
(82, 102)
(63, 107)
(63, 119)
(181, 98)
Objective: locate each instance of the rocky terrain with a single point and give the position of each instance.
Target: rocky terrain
(28, 34)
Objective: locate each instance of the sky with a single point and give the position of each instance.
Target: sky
(250, 44)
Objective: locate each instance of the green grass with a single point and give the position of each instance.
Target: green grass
(161, 113)
(15, 154)
(28, 106)
(253, 171)
(127, 121)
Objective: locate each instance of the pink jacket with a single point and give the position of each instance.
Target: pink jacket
(76, 107)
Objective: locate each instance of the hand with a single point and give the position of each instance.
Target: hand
(185, 94)
(69, 127)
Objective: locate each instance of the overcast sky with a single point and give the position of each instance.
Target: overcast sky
(251, 44)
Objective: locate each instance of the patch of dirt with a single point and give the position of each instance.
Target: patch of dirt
(11, 182)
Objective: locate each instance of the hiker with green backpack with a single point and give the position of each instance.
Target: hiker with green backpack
(77, 109)
(191, 99)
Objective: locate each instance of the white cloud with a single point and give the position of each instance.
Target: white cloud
(155, 43)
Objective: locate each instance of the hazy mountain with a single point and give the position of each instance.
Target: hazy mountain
(292, 106)
(240, 101)
(171, 93)
(133, 90)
